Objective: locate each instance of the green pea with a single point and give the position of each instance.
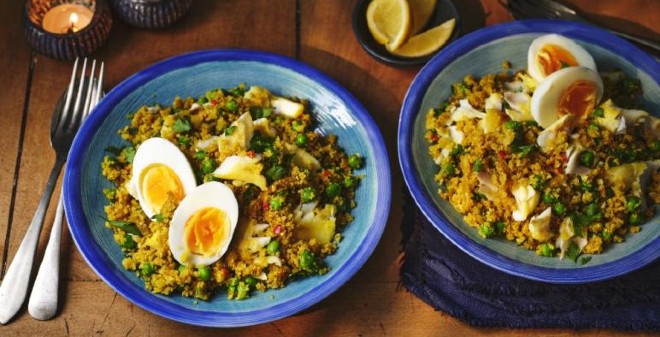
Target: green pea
(332, 190)
(298, 126)
(276, 203)
(273, 247)
(251, 281)
(599, 112)
(350, 181)
(559, 208)
(242, 291)
(276, 172)
(204, 273)
(587, 158)
(499, 227)
(183, 140)
(355, 161)
(606, 235)
(200, 155)
(308, 262)
(146, 268)
(546, 250)
(308, 194)
(208, 165)
(231, 105)
(301, 140)
(593, 127)
(486, 230)
(634, 219)
(632, 203)
(549, 198)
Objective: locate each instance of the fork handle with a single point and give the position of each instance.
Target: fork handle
(15, 284)
(43, 298)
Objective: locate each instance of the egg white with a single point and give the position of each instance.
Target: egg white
(545, 100)
(212, 194)
(582, 57)
(159, 151)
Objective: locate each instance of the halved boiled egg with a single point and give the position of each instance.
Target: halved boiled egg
(160, 172)
(550, 53)
(203, 224)
(570, 91)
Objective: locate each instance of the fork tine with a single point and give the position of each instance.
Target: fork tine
(69, 94)
(99, 87)
(77, 107)
(89, 93)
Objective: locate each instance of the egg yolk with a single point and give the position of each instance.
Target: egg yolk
(553, 57)
(205, 231)
(159, 183)
(578, 99)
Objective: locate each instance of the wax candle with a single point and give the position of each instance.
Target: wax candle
(67, 18)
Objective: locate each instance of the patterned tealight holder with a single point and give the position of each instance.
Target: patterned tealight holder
(66, 29)
(150, 13)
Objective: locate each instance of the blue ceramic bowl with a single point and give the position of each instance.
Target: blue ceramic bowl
(337, 111)
(480, 53)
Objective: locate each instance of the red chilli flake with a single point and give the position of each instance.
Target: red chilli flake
(325, 173)
(251, 154)
(265, 206)
(502, 154)
(277, 229)
(214, 102)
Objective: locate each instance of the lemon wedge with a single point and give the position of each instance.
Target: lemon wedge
(420, 13)
(427, 42)
(389, 22)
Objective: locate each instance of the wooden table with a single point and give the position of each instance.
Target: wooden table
(318, 33)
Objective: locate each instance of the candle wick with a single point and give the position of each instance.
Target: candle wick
(73, 19)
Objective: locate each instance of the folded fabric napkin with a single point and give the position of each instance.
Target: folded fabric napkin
(452, 281)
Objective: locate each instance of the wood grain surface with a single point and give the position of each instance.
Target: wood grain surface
(317, 32)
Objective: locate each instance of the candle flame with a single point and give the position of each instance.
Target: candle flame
(73, 18)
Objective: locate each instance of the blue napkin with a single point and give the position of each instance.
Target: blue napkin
(453, 282)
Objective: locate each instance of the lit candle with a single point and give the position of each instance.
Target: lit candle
(67, 18)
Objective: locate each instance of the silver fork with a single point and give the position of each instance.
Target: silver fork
(64, 125)
(42, 304)
(549, 9)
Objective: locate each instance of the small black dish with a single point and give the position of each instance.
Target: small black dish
(67, 46)
(153, 14)
(444, 10)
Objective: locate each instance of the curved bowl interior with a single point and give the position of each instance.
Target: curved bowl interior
(337, 111)
(482, 53)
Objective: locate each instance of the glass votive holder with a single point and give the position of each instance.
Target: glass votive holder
(150, 13)
(66, 29)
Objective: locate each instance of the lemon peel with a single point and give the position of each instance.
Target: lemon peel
(389, 22)
(427, 42)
